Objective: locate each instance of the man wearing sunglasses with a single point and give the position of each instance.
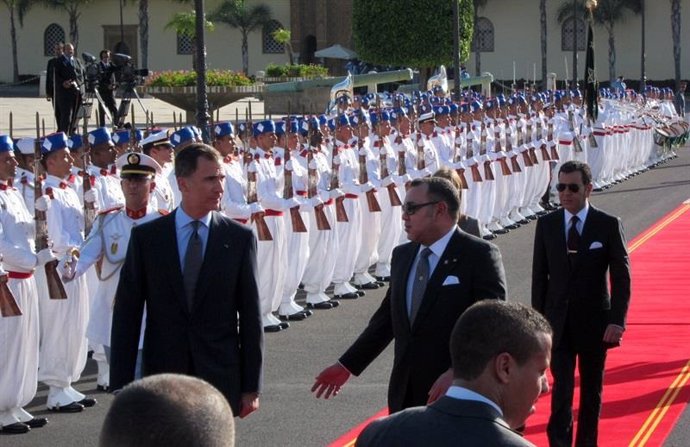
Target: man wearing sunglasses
(574, 248)
(434, 278)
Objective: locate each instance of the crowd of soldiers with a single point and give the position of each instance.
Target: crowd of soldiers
(322, 193)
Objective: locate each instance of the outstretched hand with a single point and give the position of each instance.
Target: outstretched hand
(329, 381)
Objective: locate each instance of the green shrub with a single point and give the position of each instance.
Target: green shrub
(184, 78)
(296, 71)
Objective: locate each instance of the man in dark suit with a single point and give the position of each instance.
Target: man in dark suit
(500, 353)
(434, 279)
(68, 80)
(50, 78)
(574, 248)
(195, 271)
(106, 85)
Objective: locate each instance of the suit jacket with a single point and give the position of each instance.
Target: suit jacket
(574, 294)
(220, 340)
(469, 225)
(446, 422)
(65, 71)
(422, 350)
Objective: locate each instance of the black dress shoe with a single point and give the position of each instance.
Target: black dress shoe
(74, 407)
(297, 316)
(284, 325)
(383, 278)
(88, 402)
(16, 429)
(348, 296)
(307, 312)
(104, 388)
(324, 305)
(489, 237)
(37, 422)
(273, 328)
(502, 231)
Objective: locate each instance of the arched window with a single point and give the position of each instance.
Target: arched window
(567, 31)
(53, 35)
(185, 44)
(483, 35)
(269, 43)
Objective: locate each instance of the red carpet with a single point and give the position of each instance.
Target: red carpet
(646, 386)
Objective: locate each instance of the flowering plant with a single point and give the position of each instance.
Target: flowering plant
(186, 78)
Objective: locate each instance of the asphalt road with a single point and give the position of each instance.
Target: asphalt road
(291, 416)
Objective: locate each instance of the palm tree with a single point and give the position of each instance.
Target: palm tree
(18, 8)
(608, 13)
(247, 19)
(184, 23)
(73, 8)
(675, 30)
(477, 54)
(542, 35)
(284, 37)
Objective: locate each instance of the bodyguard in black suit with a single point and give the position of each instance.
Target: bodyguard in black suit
(452, 269)
(572, 256)
(50, 78)
(500, 354)
(68, 80)
(195, 272)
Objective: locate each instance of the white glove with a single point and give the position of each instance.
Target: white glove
(335, 193)
(255, 208)
(368, 186)
(387, 181)
(44, 256)
(288, 165)
(42, 203)
(291, 203)
(91, 196)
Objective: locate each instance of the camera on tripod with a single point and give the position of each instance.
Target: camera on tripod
(128, 75)
(92, 72)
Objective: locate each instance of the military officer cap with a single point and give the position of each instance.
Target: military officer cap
(223, 129)
(157, 137)
(25, 145)
(53, 143)
(135, 164)
(6, 143)
(426, 113)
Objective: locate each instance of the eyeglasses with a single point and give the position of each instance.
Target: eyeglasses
(411, 208)
(573, 187)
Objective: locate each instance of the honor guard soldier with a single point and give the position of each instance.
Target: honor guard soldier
(179, 140)
(19, 330)
(158, 146)
(106, 245)
(63, 321)
(24, 178)
(102, 169)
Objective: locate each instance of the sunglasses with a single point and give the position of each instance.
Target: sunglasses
(573, 187)
(411, 208)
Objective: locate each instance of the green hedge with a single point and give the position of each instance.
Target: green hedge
(183, 78)
(296, 71)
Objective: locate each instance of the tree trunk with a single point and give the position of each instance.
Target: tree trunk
(542, 19)
(477, 53)
(144, 32)
(202, 116)
(13, 34)
(74, 27)
(245, 53)
(612, 53)
(675, 30)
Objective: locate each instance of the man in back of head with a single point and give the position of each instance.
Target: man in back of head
(500, 353)
(170, 410)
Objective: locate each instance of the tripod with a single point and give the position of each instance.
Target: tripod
(86, 105)
(129, 92)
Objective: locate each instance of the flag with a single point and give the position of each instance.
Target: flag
(591, 77)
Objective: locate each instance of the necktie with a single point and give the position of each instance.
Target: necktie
(421, 278)
(573, 235)
(192, 263)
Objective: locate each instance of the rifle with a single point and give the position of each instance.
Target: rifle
(456, 156)
(56, 290)
(89, 208)
(421, 162)
(488, 172)
(8, 304)
(262, 231)
(393, 196)
(509, 148)
(315, 141)
(525, 154)
(288, 191)
(340, 213)
(372, 202)
(476, 176)
(549, 137)
(577, 146)
(592, 140)
(540, 136)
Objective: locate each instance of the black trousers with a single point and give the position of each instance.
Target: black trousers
(590, 363)
(109, 101)
(67, 104)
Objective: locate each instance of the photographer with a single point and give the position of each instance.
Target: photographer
(69, 77)
(106, 87)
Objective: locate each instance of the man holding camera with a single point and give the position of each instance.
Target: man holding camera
(69, 77)
(106, 88)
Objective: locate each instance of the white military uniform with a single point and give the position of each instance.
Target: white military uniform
(19, 335)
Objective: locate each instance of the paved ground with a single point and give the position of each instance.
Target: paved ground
(289, 415)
